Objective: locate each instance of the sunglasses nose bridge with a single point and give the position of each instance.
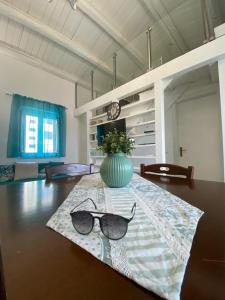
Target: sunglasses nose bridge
(96, 227)
(98, 218)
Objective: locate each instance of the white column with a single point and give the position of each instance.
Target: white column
(88, 117)
(160, 122)
(221, 68)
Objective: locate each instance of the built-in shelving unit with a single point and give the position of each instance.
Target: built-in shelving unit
(140, 125)
(158, 79)
(126, 117)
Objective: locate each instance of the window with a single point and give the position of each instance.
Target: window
(41, 129)
(50, 137)
(31, 134)
(40, 133)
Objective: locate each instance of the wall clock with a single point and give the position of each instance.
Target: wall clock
(113, 110)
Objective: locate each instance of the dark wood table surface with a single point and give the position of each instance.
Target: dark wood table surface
(39, 264)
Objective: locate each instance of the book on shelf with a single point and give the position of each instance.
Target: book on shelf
(149, 131)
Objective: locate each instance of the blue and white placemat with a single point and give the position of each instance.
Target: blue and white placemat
(155, 251)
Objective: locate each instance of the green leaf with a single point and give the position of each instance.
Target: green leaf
(115, 142)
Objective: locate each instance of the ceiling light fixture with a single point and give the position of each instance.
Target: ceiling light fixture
(73, 3)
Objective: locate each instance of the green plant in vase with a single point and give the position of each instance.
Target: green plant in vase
(116, 169)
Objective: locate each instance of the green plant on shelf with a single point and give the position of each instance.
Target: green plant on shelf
(116, 142)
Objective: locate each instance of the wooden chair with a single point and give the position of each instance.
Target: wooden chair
(2, 281)
(167, 169)
(67, 170)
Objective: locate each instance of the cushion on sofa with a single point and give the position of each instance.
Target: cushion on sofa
(6, 173)
(26, 170)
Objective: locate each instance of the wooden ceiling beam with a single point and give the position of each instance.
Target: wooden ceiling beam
(159, 14)
(97, 18)
(18, 54)
(25, 19)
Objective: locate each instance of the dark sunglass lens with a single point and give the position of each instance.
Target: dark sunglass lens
(82, 221)
(114, 227)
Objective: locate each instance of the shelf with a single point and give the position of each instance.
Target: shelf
(146, 145)
(136, 146)
(142, 134)
(92, 148)
(133, 156)
(124, 107)
(140, 124)
(99, 116)
(125, 117)
(142, 156)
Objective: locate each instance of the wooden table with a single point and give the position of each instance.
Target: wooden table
(39, 264)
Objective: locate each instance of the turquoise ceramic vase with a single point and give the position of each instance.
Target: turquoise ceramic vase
(116, 170)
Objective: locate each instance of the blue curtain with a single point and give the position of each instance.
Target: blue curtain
(27, 115)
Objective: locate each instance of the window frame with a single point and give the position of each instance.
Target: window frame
(41, 115)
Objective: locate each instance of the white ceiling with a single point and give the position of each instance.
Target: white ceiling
(78, 41)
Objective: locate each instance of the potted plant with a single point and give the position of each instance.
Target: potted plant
(116, 169)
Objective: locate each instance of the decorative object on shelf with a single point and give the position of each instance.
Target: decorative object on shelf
(92, 122)
(92, 136)
(113, 111)
(116, 169)
(132, 131)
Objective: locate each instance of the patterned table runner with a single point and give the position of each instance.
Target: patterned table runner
(155, 251)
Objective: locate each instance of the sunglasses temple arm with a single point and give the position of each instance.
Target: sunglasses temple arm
(92, 202)
(82, 203)
(133, 211)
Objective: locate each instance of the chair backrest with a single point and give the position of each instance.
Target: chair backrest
(68, 170)
(167, 169)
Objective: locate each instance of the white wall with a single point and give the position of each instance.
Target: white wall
(83, 138)
(83, 96)
(221, 69)
(21, 78)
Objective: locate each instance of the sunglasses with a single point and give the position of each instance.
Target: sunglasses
(114, 227)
